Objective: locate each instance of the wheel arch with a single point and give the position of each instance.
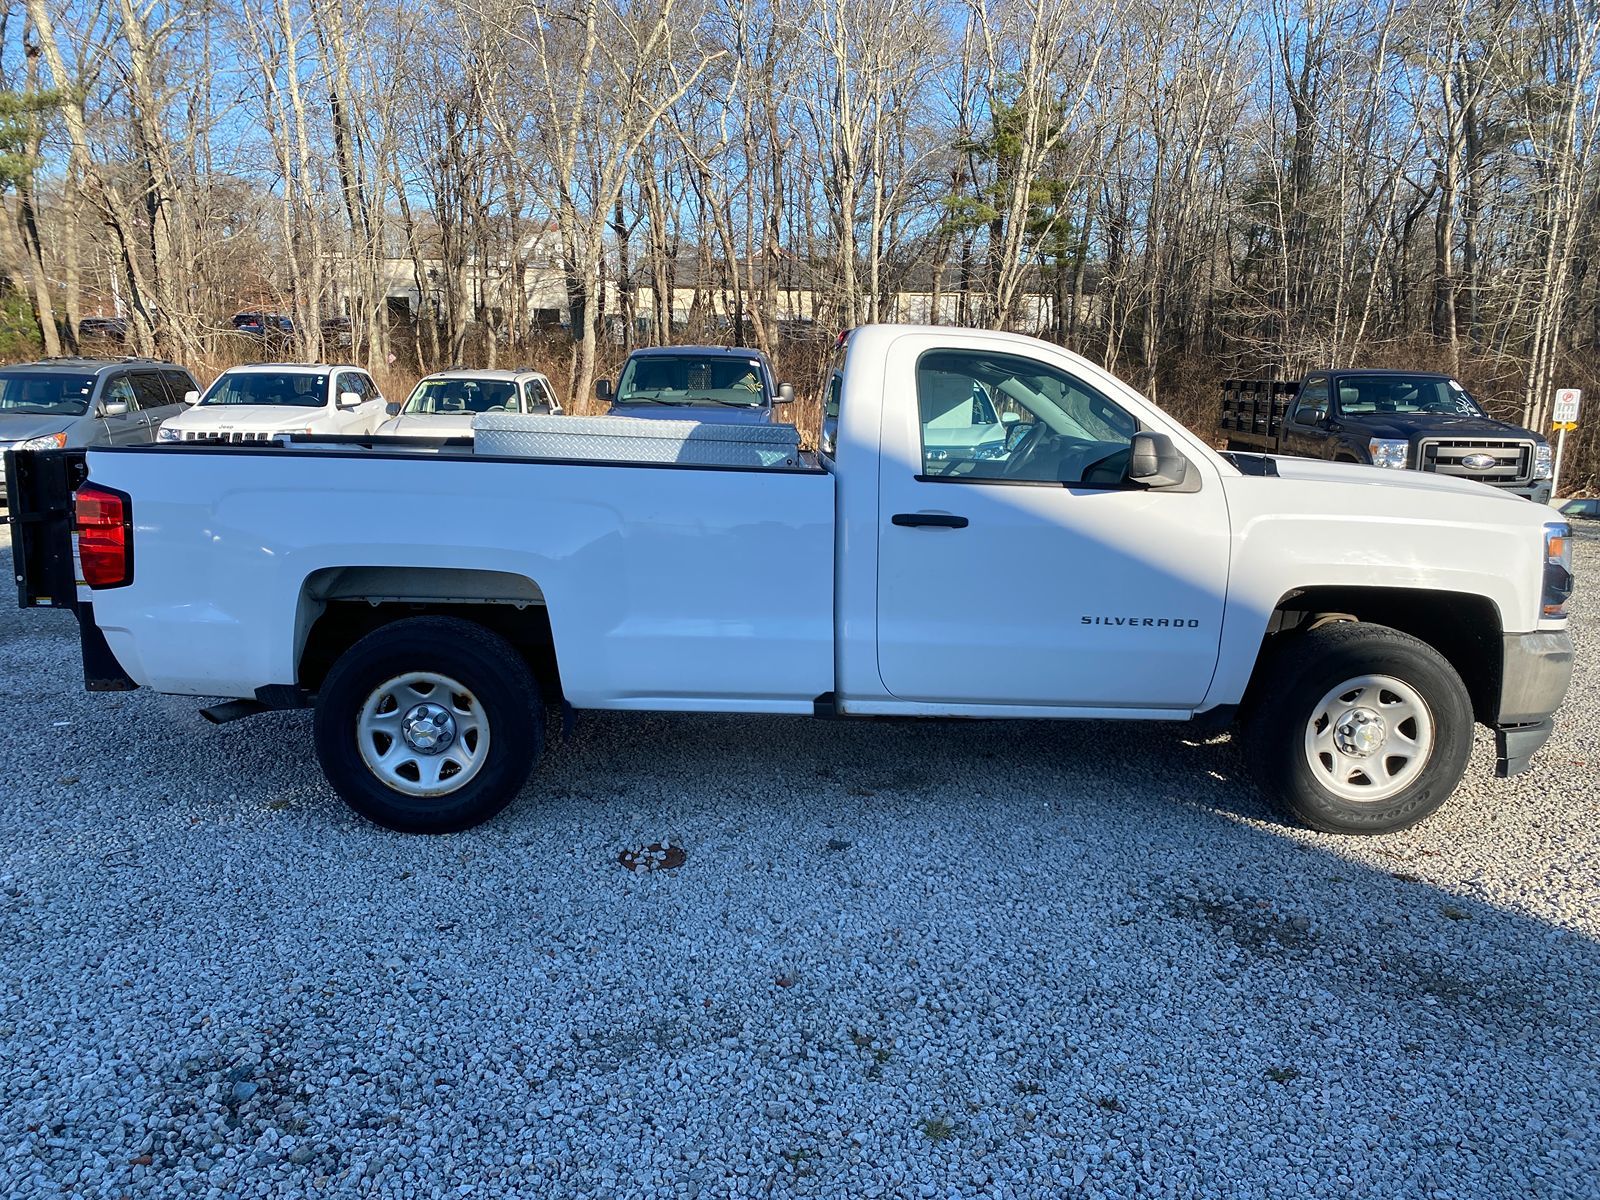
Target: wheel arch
(1464, 627)
(340, 605)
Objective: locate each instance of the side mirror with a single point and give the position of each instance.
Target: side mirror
(602, 389)
(116, 408)
(785, 394)
(1009, 419)
(391, 409)
(1155, 462)
(191, 397)
(349, 399)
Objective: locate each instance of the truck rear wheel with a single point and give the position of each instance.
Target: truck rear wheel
(1358, 728)
(429, 725)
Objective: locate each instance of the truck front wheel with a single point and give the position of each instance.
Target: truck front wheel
(429, 725)
(1358, 728)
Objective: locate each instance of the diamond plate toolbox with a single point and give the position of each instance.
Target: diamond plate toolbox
(631, 439)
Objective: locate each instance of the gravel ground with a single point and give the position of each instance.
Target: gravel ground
(899, 959)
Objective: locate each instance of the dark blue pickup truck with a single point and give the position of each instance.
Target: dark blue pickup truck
(723, 385)
(1411, 420)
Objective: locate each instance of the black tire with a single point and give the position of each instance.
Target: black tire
(502, 694)
(1277, 727)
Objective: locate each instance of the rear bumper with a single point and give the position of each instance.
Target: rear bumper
(1536, 670)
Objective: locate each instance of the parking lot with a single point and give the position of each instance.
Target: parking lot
(898, 959)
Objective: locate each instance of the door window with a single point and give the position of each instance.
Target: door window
(1001, 418)
(120, 391)
(1312, 406)
(178, 382)
(147, 388)
(347, 381)
(537, 396)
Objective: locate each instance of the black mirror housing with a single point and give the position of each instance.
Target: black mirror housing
(392, 409)
(1155, 462)
(602, 389)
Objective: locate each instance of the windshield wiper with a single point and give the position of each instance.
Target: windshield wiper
(718, 400)
(636, 399)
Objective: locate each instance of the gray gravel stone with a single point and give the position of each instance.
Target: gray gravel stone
(1089, 948)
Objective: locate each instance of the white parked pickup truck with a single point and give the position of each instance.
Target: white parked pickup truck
(1102, 562)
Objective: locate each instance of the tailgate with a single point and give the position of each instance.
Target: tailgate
(39, 490)
(39, 486)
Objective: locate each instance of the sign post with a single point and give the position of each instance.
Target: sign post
(1564, 417)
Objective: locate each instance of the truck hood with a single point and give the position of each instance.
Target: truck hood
(428, 425)
(248, 418)
(1413, 425)
(1316, 471)
(19, 427)
(709, 414)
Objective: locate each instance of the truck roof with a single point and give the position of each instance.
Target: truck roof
(705, 351)
(1380, 371)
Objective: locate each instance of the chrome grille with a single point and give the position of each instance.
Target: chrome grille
(1513, 461)
(191, 436)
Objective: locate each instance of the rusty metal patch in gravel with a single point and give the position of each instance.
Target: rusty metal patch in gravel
(654, 857)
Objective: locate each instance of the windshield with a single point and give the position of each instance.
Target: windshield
(1364, 395)
(690, 378)
(438, 396)
(37, 394)
(289, 390)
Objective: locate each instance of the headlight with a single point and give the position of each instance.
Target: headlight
(50, 441)
(168, 435)
(1389, 452)
(1557, 571)
(1543, 467)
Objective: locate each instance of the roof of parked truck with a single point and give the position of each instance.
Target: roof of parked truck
(1381, 371)
(708, 351)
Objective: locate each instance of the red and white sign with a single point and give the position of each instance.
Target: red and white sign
(1566, 408)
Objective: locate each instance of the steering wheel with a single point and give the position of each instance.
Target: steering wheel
(1025, 451)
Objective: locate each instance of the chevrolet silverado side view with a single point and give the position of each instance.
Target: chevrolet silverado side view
(1396, 419)
(1102, 563)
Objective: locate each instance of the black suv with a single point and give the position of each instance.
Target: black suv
(61, 402)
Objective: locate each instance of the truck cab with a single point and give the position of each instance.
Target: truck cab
(1401, 420)
(719, 384)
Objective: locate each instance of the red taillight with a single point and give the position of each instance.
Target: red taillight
(105, 536)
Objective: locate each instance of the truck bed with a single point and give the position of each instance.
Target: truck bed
(1253, 411)
(672, 584)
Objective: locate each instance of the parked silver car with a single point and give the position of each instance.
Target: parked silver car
(70, 402)
(444, 404)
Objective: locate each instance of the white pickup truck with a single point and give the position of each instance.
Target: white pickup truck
(1097, 561)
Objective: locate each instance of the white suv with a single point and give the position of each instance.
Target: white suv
(256, 402)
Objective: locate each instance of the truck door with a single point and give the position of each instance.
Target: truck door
(1032, 574)
(1305, 428)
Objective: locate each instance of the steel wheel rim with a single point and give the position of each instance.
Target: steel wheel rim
(1369, 738)
(423, 734)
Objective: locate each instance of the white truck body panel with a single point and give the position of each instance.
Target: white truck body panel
(679, 587)
(684, 588)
